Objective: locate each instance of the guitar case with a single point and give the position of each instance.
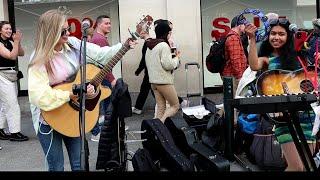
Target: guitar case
(160, 144)
(186, 139)
(200, 124)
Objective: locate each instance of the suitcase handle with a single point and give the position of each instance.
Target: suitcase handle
(193, 95)
(199, 94)
(192, 64)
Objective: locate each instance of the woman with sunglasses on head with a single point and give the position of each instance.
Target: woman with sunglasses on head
(10, 49)
(55, 60)
(277, 52)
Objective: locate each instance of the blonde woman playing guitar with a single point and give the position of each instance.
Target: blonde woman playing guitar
(52, 73)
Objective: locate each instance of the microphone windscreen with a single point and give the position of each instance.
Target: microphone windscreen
(293, 28)
(86, 23)
(316, 24)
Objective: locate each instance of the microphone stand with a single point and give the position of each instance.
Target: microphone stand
(84, 164)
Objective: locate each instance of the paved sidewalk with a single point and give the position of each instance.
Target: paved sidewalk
(28, 155)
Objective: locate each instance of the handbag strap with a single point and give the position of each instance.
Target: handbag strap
(263, 117)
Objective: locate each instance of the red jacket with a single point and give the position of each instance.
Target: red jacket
(236, 61)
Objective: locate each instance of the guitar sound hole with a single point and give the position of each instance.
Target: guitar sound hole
(306, 86)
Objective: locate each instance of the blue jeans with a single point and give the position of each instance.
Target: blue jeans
(55, 156)
(103, 107)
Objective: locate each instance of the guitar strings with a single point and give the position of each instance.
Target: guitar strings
(107, 67)
(118, 55)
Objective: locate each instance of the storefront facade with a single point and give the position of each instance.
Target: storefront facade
(195, 22)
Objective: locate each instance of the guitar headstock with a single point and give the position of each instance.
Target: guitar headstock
(143, 26)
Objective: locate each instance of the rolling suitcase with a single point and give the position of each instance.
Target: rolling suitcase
(161, 146)
(195, 122)
(187, 140)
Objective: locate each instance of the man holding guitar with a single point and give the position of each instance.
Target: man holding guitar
(277, 52)
(52, 73)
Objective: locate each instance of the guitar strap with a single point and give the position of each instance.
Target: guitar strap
(307, 75)
(306, 41)
(304, 67)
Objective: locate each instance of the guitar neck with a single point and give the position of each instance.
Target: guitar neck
(108, 67)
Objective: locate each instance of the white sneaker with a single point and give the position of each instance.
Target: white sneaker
(136, 111)
(95, 138)
(184, 103)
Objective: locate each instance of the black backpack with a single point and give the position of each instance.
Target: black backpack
(215, 60)
(142, 161)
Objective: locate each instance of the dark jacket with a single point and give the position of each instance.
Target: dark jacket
(142, 65)
(112, 135)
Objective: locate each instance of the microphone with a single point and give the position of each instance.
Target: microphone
(85, 24)
(316, 24)
(293, 28)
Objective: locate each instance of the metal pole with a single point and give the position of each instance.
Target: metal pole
(229, 117)
(12, 20)
(318, 8)
(83, 89)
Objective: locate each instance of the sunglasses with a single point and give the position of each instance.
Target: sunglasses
(241, 20)
(64, 31)
(282, 21)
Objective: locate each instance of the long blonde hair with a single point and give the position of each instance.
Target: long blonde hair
(48, 34)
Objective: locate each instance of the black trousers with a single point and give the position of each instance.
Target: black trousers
(144, 92)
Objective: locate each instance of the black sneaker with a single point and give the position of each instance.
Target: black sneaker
(18, 137)
(3, 135)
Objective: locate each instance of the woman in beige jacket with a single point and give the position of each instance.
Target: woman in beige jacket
(160, 65)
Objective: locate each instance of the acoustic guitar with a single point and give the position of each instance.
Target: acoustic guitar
(65, 119)
(276, 82)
